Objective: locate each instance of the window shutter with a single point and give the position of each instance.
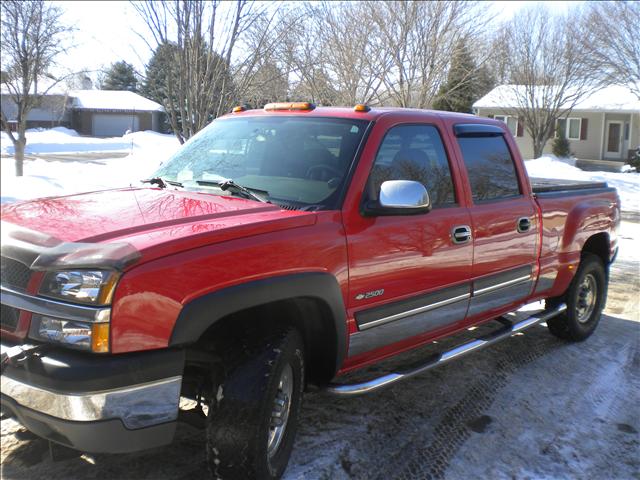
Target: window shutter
(520, 130)
(583, 128)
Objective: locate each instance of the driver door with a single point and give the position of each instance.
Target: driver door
(408, 278)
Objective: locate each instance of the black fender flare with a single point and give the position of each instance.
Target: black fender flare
(201, 313)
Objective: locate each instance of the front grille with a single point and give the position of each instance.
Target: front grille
(9, 318)
(14, 274)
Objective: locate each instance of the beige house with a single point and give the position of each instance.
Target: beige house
(603, 127)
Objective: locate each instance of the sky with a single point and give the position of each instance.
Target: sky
(109, 31)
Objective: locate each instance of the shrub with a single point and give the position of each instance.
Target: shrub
(561, 147)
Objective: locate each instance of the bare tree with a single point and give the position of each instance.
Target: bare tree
(546, 63)
(33, 36)
(303, 58)
(351, 45)
(267, 78)
(420, 38)
(210, 73)
(612, 42)
(269, 84)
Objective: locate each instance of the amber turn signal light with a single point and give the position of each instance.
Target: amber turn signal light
(100, 337)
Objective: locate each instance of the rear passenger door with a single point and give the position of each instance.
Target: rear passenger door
(504, 222)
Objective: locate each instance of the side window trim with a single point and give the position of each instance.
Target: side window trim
(453, 174)
(477, 130)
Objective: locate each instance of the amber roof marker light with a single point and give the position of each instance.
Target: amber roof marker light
(238, 109)
(289, 106)
(361, 107)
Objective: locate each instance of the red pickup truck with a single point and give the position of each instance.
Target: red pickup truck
(280, 248)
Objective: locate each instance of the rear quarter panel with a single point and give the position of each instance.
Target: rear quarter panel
(568, 221)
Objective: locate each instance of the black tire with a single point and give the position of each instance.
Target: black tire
(582, 316)
(240, 413)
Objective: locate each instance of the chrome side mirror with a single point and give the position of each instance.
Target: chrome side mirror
(400, 197)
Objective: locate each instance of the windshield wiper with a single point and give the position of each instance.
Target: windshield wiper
(161, 182)
(233, 186)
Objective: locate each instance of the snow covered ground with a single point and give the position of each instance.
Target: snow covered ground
(64, 140)
(44, 176)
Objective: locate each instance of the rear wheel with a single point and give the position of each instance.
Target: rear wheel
(585, 301)
(253, 415)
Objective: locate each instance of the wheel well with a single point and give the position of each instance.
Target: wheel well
(598, 245)
(311, 316)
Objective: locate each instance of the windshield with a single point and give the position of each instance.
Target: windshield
(291, 160)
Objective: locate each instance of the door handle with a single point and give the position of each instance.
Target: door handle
(523, 224)
(461, 234)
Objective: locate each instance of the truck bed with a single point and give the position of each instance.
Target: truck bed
(552, 185)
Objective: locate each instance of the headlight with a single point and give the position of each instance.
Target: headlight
(93, 287)
(80, 335)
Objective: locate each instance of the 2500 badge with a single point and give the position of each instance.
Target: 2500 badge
(366, 295)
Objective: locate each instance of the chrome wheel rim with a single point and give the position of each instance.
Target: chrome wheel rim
(586, 301)
(280, 410)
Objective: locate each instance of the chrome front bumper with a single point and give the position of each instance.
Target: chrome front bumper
(137, 406)
(95, 403)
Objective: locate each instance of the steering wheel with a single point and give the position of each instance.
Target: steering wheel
(316, 172)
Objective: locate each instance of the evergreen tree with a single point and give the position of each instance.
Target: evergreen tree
(160, 73)
(465, 83)
(165, 84)
(561, 147)
(120, 76)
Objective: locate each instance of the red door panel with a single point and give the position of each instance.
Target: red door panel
(408, 281)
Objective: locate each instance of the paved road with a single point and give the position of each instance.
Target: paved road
(530, 407)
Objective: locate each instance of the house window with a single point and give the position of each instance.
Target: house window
(512, 123)
(574, 125)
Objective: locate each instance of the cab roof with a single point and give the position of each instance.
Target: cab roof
(374, 113)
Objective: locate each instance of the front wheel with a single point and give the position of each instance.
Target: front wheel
(585, 301)
(253, 415)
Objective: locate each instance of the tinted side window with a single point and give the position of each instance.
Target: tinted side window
(492, 173)
(414, 152)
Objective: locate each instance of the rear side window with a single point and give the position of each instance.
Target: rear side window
(491, 170)
(414, 152)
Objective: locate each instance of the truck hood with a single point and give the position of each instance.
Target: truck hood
(148, 218)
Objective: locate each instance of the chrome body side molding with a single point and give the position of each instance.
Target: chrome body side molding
(414, 311)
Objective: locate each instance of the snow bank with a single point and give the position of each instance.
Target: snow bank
(628, 184)
(63, 140)
(44, 178)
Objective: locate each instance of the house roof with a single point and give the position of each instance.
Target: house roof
(112, 100)
(614, 98)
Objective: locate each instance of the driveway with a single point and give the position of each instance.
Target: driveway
(530, 407)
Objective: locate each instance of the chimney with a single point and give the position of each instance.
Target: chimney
(87, 84)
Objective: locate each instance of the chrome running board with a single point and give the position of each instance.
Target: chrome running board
(348, 390)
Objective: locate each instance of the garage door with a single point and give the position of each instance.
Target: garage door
(113, 125)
